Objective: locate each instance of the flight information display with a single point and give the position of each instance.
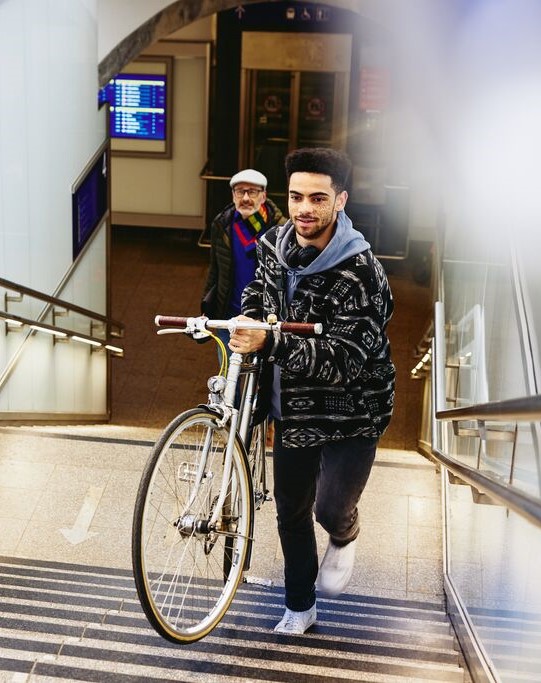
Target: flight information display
(137, 106)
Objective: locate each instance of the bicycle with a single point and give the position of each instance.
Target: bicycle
(193, 524)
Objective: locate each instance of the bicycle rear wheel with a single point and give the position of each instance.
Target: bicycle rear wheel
(187, 571)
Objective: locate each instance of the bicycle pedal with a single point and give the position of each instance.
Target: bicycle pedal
(258, 581)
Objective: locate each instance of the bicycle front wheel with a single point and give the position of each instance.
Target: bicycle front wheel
(186, 568)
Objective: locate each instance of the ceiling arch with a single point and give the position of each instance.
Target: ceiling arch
(183, 12)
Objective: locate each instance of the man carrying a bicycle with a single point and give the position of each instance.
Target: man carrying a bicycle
(332, 396)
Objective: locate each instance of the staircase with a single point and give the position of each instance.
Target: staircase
(70, 622)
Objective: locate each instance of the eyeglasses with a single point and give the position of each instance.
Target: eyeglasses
(239, 192)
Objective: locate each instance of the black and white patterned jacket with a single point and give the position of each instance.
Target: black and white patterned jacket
(339, 384)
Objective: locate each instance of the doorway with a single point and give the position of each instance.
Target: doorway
(294, 93)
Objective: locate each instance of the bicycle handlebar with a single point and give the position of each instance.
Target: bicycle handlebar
(201, 323)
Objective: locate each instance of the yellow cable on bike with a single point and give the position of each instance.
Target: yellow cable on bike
(221, 346)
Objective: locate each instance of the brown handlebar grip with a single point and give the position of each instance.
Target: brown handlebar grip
(170, 321)
(302, 328)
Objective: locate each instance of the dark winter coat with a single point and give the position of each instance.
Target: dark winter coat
(339, 384)
(220, 276)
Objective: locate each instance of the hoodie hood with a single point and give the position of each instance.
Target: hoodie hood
(346, 242)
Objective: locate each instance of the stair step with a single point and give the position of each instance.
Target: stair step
(64, 621)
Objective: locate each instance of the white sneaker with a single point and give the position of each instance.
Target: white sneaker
(296, 622)
(336, 568)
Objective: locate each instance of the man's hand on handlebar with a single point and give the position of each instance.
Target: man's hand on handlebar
(247, 341)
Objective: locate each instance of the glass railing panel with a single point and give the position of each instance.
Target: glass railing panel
(492, 552)
(483, 334)
(486, 361)
(526, 475)
(493, 559)
(506, 367)
(529, 276)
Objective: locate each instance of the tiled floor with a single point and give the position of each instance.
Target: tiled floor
(67, 494)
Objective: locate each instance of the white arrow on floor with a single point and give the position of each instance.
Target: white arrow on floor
(80, 530)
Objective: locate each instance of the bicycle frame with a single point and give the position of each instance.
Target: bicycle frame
(231, 415)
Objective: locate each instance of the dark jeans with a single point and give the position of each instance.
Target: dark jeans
(329, 481)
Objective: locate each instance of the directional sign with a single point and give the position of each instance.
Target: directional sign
(79, 532)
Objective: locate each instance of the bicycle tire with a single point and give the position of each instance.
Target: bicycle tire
(184, 583)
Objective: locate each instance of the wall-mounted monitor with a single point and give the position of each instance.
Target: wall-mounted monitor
(140, 113)
(137, 106)
(90, 199)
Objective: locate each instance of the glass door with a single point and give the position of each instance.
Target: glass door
(269, 129)
(284, 110)
(294, 93)
(316, 110)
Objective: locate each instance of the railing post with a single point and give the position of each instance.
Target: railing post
(438, 373)
(439, 355)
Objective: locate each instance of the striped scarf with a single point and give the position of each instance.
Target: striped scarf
(247, 230)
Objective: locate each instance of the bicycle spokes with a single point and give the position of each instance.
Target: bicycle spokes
(192, 545)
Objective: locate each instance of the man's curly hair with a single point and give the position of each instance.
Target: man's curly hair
(320, 160)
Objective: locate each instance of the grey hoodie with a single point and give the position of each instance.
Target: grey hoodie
(346, 242)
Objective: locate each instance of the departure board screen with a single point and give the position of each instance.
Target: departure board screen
(137, 106)
(89, 200)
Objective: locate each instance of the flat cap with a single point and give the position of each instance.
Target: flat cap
(249, 175)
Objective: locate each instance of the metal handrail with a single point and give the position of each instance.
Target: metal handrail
(527, 408)
(65, 333)
(116, 330)
(509, 496)
(113, 327)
